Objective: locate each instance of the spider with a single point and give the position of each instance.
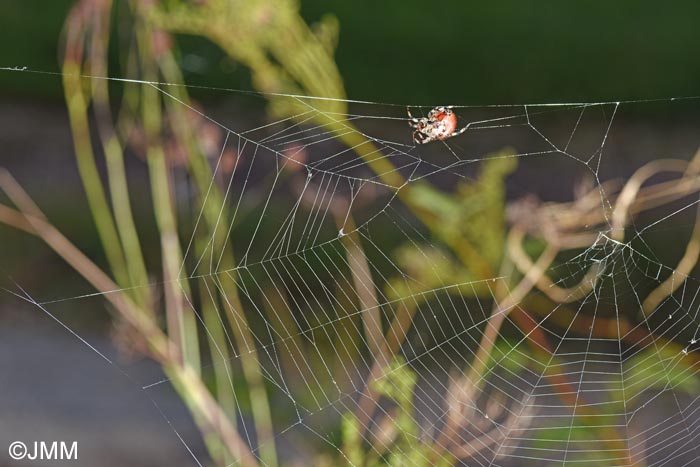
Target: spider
(441, 123)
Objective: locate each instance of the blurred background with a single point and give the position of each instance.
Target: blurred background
(450, 52)
(391, 52)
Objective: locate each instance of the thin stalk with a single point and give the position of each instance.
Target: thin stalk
(99, 207)
(215, 215)
(220, 346)
(221, 364)
(181, 325)
(116, 174)
(252, 370)
(284, 325)
(364, 285)
(207, 413)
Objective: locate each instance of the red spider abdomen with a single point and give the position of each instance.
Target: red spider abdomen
(450, 125)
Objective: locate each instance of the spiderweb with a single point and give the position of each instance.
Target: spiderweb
(371, 296)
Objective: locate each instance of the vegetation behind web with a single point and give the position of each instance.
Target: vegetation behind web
(471, 242)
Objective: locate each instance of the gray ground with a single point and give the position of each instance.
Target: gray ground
(54, 388)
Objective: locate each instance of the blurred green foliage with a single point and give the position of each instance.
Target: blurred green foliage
(407, 446)
(451, 51)
(470, 220)
(659, 368)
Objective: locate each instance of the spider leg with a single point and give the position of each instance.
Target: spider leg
(412, 121)
(462, 130)
(421, 138)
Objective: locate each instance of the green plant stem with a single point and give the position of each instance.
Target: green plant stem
(215, 215)
(219, 348)
(116, 174)
(206, 411)
(252, 370)
(364, 286)
(97, 200)
(181, 325)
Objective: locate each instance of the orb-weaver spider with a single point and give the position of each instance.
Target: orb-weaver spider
(440, 124)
